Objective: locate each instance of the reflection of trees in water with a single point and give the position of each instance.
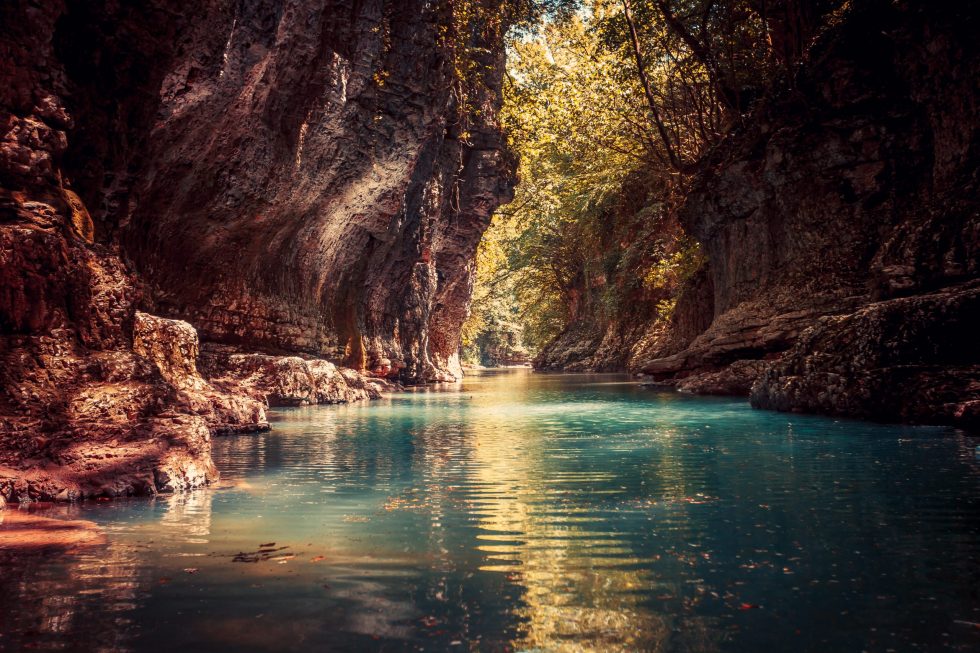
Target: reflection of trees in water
(360, 445)
(508, 522)
(574, 585)
(578, 592)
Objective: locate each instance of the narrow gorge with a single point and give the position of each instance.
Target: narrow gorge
(820, 254)
(553, 326)
(211, 209)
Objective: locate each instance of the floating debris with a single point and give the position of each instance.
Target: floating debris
(265, 552)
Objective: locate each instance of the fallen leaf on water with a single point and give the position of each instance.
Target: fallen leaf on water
(317, 559)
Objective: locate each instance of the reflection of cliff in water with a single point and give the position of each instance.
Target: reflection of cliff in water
(75, 592)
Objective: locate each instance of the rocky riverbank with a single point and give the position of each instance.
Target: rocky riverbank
(840, 226)
(303, 184)
(139, 422)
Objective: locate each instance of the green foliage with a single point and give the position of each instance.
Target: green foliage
(577, 140)
(607, 129)
(672, 270)
(472, 36)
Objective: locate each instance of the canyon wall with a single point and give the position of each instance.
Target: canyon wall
(842, 228)
(302, 176)
(270, 184)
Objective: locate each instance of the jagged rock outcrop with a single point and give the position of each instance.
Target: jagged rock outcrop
(282, 176)
(111, 422)
(911, 359)
(287, 380)
(839, 220)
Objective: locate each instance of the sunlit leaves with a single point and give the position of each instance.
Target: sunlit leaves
(587, 133)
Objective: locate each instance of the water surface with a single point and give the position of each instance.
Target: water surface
(525, 512)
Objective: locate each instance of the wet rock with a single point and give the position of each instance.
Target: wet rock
(736, 379)
(914, 359)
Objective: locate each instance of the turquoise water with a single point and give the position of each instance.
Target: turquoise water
(526, 512)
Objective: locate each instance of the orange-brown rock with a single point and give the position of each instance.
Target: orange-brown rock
(287, 380)
(305, 179)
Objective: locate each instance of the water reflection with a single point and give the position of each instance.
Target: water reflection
(67, 592)
(527, 512)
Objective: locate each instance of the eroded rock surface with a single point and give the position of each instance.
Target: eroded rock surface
(290, 177)
(911, 359)
(302, 176)
(111, 422)
(288, 380)
(842, 216)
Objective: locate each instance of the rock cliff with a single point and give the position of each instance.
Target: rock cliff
(296, 181)
(842, 228)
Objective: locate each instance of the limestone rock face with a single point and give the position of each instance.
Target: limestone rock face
(283, 176)
(82, 422)
(287, 380)
(171, 345)
(910, 358)
(294, 175)
(844, 210)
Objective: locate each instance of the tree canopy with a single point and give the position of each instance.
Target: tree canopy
(610, 105)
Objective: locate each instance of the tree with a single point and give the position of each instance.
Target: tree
(610, 109)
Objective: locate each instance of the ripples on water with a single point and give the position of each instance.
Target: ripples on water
(535, 513)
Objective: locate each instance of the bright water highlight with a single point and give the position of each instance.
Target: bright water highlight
(526, 512)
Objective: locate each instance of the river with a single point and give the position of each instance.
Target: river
(530, 512)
